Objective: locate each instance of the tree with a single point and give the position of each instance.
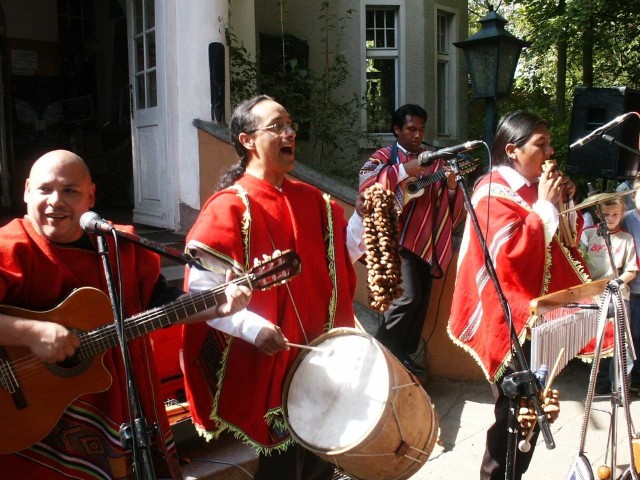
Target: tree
(574, 42)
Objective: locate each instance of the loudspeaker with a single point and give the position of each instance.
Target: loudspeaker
(592, 108)
(216, 80)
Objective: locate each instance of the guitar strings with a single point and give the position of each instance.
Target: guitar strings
(30, 366)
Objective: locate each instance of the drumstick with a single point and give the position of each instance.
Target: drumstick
(525, 445)
(304, 347)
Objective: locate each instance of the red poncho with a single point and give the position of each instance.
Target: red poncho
(425, 221)
(230, 385)
(525, 267)
(37, 275)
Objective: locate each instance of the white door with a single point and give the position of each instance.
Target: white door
(152, 185)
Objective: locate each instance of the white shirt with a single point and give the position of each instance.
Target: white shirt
(246, 324)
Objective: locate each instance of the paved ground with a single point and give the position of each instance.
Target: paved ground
(466, 411)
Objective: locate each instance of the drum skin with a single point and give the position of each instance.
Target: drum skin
(353, 404)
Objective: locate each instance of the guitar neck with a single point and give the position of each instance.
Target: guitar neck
(105, 337)
(433, 178)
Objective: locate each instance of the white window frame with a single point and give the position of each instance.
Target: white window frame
(145, 71)
(451, 82)
(398, 54)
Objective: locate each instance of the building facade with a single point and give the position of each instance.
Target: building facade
(121, 82)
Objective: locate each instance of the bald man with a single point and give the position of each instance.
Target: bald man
(43, 258)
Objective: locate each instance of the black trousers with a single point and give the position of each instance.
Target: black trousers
(403, 321)
(495, 455)
(295, 463)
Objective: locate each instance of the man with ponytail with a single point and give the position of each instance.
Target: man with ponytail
(235, 371)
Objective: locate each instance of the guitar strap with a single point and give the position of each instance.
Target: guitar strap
(434, 266)
(393, 156)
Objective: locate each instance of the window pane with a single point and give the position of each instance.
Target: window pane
(381, 94)
(391, 38)
(379, 19)
(380, 39)
(370, 23)
(62, 7)
(390, 19)
(150, 14)
(151, 50)
(442, 98)
(152, 90)
(75, 8)
(139, 48)
(140, 92)
(137, 17)
(87, 9)
(75, 29)
(369, 36)
(89, 30)
(443, 34)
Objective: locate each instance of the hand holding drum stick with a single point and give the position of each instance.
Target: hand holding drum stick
(525, 444)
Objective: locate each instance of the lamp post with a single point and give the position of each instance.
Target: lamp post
(491, 56)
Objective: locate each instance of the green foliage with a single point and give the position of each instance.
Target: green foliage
(243, 70)
(330, 119)
(547, 23)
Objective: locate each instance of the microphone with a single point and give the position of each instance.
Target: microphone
(600, 130)
(427, 158)
(91, 222)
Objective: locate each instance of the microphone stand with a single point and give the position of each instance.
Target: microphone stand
(136, 436)
(608, 138)
(169, 252)
(622, 335)
(523, 381)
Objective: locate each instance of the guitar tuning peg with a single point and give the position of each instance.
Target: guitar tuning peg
(256, 262)
(276, 253)
(265, 257)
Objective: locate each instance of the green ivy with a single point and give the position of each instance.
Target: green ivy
(328, 117)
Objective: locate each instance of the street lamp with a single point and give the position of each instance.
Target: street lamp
(491, 55)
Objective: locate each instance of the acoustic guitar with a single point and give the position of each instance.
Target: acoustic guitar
(414, 187)
(35, 394)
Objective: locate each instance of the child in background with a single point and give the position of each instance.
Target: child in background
(631, 223)
(595, 253)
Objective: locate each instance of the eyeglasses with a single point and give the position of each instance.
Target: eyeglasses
(277, 128)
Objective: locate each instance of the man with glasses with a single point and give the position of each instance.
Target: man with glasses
(426, 225)
(234, 372)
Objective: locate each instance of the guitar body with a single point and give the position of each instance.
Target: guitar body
(412, 189)
(34, 394)
(44, 391)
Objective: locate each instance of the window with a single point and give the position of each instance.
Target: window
(76, 21)
(381, 67)
(443, 72)
(144, 44)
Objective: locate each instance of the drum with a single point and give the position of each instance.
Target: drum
(350, 401)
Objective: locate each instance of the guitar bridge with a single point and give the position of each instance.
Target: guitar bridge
(9, 382)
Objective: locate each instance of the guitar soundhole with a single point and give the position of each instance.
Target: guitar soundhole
(412, 188)
(70, 367)
(73, 365)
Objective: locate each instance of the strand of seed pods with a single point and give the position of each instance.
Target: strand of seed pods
(381, 239)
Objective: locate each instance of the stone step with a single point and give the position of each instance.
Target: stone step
(224, 459)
